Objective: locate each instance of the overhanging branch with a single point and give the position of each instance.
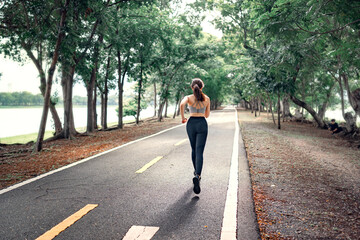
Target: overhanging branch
(330, 31)
(123, 1)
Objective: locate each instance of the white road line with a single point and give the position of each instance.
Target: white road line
(140, 233)
(229, 225)
(81, 161)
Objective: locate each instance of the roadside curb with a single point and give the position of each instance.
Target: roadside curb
(247, 219)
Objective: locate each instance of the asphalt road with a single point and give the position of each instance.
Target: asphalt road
(161, 196)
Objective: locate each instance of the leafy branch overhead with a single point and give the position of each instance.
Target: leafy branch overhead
(105, 45)
(305, 50)
(271, 52)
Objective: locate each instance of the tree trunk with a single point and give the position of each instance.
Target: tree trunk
(278, 110)
(94, 106)
(67, 82)
(304, 105)
(121, 91)
(161, 107)
(178, 111)
(246, 104)
(41, 133)
(319, 121)
(166, 107)
(105, 126)
(139, 92)
(342, 97)
(56, 119)
(90, 107)
(259, 104)
(106, 93)
(323, 107)
(166, 91)
(254, 104)
(271, 110)
(286, 107)
(354, 100)
(72, 122)
(162, 103)
(303, 94)
(38, 64)
(104, 111)
(155, 99)
(348, 117)
(176, 105)
(350, 122)
(354, 97)
(61, 34)
(91, 90)
(102, 97)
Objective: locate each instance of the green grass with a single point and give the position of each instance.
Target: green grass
(24, 138)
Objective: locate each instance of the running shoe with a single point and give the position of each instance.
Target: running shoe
(196, 181)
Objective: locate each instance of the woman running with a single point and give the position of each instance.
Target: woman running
(196, 127)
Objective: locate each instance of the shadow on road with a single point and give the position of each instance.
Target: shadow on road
(177, 215)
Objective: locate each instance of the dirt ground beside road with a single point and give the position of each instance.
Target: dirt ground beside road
(306, 182)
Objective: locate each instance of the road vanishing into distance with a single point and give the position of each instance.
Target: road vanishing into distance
(141, 190)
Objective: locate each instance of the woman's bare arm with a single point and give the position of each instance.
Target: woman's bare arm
(207, 111)
(182, 107)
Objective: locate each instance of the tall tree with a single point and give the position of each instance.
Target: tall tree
(28, 26)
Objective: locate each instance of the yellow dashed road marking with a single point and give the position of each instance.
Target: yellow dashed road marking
(149, 164)
(181, 142)
(67, 222)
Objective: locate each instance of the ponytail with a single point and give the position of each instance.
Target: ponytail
(197, 84)
(197, 93)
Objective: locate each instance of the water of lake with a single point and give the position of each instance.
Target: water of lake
(19, 121)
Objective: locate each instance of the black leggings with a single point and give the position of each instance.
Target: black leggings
(197, 130)
(339, 129)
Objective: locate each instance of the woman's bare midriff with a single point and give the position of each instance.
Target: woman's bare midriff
(197, 115)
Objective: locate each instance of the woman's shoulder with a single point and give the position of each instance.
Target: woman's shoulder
(207, 100)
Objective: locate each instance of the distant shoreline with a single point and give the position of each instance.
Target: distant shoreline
(74, 106)
(18, 121)
(26, 138)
